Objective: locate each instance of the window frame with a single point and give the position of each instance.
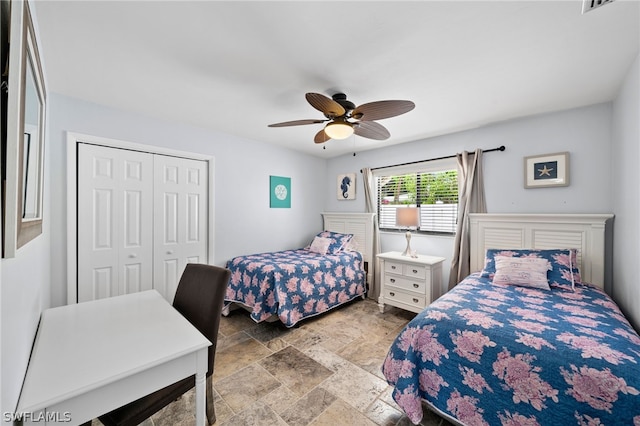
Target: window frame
(433, 166)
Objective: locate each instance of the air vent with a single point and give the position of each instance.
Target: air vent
(588, 5)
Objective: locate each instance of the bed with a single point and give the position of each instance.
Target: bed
(292, 285)
(494, 353)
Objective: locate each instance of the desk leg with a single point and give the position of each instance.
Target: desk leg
(200, 400)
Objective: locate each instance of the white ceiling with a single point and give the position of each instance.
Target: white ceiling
(237, 66)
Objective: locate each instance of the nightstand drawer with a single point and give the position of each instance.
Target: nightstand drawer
(417, 286)
(391, 294)
(414, 271)
(393, 267)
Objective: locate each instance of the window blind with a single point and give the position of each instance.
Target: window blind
(435, 193)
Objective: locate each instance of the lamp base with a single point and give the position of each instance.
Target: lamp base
(408, 251)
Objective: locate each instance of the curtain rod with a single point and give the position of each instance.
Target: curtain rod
(500, 148)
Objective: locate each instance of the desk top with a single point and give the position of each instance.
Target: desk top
(87, 345)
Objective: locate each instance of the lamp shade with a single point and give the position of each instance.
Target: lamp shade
(338, 130)
(407, 217)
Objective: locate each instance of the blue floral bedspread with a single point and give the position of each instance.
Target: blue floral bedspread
(294, 284)
(487, 354)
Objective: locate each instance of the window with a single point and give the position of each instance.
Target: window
(431, 188)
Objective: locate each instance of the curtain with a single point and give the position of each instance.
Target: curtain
(372, 207)
(471, 200)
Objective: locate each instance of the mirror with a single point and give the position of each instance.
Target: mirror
(31, 149)
(24, 145)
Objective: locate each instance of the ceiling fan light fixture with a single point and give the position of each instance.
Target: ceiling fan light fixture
(339, 110)
(338, 130)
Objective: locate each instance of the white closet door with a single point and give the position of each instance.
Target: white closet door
(115, 240)
(180, 219)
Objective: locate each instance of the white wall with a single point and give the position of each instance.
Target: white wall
(626, 199)
(584, 132)
(25, 293)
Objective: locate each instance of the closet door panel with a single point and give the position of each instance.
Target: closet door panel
(136, 232)
(132, 281)
(180, 222)
(171, 272)
(97, 206)
(102, 220)
(101, 285)
(195, 245)
(169, 218)
(115, 240)
(167, 264)
(193, 219)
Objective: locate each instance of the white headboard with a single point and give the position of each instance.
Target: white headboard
(585, 232)
(358, 224)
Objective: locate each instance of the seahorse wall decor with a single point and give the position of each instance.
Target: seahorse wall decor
(347, 186)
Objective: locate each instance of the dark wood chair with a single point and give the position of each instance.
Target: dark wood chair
(199, 298)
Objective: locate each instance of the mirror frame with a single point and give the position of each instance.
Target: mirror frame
(23, 57)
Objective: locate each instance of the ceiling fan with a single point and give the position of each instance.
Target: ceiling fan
(345, 119)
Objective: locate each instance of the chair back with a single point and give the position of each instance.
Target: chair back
(199, 298)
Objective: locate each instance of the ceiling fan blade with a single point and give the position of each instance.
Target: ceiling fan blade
(296, 123)
(321, 137)
(381, 109)
(325, 105)
(371, 130)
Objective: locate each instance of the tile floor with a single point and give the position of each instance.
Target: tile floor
(326, 371)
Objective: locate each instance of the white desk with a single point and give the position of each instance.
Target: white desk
(93, 357)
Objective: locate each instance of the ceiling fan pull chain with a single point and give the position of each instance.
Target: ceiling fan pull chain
(354, 144)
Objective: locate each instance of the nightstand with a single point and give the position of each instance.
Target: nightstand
(410, 283)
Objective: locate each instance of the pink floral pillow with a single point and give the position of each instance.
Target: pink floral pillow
(522, 271)
(564, 272)
(320, 245)
(337, 241)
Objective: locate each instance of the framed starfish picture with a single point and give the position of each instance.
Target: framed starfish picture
(543, 171)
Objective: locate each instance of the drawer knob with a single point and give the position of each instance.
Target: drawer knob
(393, 280)
(391, 293)
(393, 267)
(415, 271)
(416, 285)
(415, 300)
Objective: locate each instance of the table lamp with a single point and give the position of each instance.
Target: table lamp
(407, 217)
